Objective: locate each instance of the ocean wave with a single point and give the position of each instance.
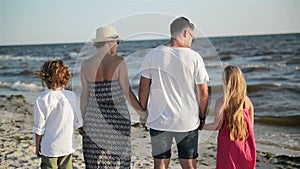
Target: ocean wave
(25, 58)
(260, 87)
(74, 55)
(210, 57)
(3, 67)
(279, 120)
(24, 72)
(266, 52)
(226, 57)
(21, 86)
(256, 67)
(273, 86)
(214, 65)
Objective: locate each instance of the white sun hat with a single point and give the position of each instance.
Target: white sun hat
(106, 33)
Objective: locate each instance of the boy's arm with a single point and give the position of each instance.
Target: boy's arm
(38, 140)
(39, 125)
(78, 121)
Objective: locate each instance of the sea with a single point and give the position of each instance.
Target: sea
(270, 63)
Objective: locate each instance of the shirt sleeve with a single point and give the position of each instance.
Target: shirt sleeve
(201, 75)
(39, 117)
(78, 122)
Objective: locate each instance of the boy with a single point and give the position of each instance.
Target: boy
(56, 116)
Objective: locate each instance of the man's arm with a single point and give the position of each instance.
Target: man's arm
(144, 90)
(202, 93)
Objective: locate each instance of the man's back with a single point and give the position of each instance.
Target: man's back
(174, 72)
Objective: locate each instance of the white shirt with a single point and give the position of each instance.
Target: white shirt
(174, 72)
(56, 116)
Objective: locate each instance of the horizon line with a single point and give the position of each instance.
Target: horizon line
(212, 37)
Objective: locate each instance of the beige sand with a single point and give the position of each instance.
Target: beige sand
(17, 147)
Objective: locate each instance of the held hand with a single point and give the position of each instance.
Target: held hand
(80, 130)
(143, 117)
(144, 125)
(143, 120)
(202, 122)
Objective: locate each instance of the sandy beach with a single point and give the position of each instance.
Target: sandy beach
(17, 146)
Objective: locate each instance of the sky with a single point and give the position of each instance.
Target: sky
(72, 21)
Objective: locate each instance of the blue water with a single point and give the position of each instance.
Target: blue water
(271, 65)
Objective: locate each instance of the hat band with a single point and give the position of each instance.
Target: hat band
(113, 37)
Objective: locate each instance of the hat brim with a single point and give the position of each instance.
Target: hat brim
(107, 40)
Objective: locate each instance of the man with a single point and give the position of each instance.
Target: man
(174, 78)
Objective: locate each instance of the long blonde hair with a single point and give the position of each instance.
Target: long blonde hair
(235, 92)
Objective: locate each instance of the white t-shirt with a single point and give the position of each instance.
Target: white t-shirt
(56, 116)
(174, 72)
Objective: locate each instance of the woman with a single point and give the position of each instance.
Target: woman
(234, 118)
(104, 79)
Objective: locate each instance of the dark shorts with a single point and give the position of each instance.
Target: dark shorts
(187, 144)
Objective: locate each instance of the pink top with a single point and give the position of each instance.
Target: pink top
(237, 154)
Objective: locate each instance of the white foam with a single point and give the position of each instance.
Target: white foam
(73, 55)
(21, 86)
(10, 57)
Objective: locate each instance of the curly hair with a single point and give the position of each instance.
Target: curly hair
(54, 74)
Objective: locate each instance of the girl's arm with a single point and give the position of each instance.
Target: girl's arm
(78, 121)
(218, 121)
(251, 110)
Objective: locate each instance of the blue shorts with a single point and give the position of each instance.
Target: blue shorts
(187, 144)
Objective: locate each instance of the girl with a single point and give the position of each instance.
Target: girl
(234, 118)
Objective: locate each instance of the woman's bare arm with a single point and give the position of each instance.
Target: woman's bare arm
(84, 93)
(128, 91)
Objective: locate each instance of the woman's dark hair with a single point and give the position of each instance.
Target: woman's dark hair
(99, 44)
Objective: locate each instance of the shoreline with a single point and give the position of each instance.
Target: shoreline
(17, 146)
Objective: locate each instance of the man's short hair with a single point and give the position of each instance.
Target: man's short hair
(179, 24)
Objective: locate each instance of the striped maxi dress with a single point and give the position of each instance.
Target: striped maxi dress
(106, 138)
